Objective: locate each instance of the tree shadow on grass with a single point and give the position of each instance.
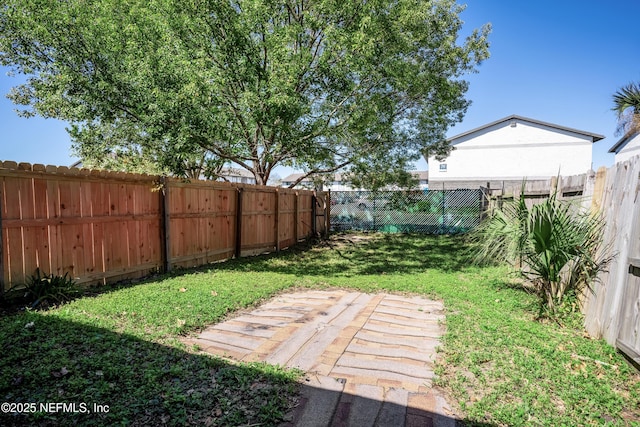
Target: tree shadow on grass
(379, 254)
(343, 255)
(325, 404)
(70, 367)
(59, 372)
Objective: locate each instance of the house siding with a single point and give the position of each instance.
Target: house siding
(512, 150)
(630, 149)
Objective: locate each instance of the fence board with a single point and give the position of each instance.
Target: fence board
(286, 226)
(629, 337)
(304, 222)
(621, 208)
(201, 221)
(258, 222)
(14, 236)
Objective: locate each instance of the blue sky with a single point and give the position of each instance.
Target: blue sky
(556, 61)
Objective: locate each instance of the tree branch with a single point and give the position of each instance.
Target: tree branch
(318, 171)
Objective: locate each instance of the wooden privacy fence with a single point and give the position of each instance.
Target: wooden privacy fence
(612, 311)
(101, 226)
(575, 187)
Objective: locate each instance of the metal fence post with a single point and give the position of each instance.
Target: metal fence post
(444, 220)
(373, 212)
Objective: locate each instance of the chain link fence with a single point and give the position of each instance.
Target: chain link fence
(422, 211)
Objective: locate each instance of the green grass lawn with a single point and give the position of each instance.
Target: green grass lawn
(122, 347)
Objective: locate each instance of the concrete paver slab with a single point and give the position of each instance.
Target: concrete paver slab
(390, 351)
(426, 344)
(369, 358)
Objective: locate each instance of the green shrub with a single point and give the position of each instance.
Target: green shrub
(42, 288)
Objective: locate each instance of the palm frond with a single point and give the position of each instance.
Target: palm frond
(627, 97)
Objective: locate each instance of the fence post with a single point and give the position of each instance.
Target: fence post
(587, 189)
(166, 221)
(373, 211)
(482, 197)
(444, 220)
(553, 186)
(277, 220)
(296, 219)
(327, 214)
(239, 222)
(314, 202)
(1, 246)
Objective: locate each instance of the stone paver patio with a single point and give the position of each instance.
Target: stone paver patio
(369, 359)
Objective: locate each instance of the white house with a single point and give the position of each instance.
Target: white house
(511, 149)
(237, 175)
(628, 146)
(306, 183)
(338, 184)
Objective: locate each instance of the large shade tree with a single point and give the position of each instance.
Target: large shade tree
(317, 85)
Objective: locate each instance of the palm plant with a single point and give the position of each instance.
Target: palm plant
(502, 236)
(553, 245)
(561, 255)
(626, 104)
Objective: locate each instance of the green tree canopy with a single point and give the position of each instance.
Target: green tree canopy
(317, 85)
(124, 147)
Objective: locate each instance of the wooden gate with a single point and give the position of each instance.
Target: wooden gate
(629, 335)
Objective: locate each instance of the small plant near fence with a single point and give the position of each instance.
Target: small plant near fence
(43, 289)
(553, 245)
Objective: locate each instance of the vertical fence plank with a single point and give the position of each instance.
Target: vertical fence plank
(2, 252)
(166, 224)
(277, 220)
(598, 190)
(15, 243)
(29, 237)
(238, 244)
(99, 208)
(296, 218)
(313, 214)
